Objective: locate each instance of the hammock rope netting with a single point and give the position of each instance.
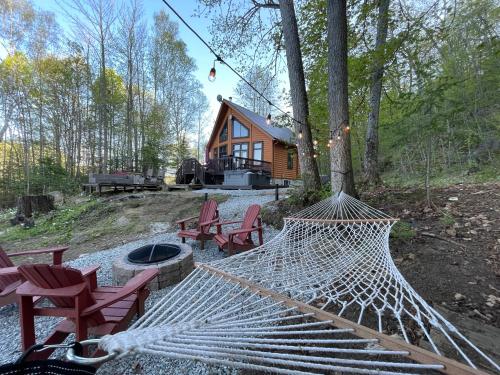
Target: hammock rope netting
(323, 296)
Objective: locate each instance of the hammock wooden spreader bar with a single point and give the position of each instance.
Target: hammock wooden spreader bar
(415, 353)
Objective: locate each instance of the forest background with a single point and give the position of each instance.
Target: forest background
(122, 94)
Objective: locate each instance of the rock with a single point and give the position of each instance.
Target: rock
(451, 232)
(453, 199)
(492, 300)
(58, 197)
(159, 227)
(122, 221)
(472, 231)
(459, 297)
(476, 312)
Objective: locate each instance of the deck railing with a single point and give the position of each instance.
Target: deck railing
(219, 165)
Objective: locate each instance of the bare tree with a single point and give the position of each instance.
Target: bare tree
(131, 31)
(340, 156)
(370, 162)
(263, 80)
(95, 18)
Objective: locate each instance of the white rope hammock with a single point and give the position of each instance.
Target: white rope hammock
(301, 304)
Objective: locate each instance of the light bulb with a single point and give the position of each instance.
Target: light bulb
(347, 128)
(338, 137)
(300, 134)
(268, 119)
(315, 156)
(315, 142)
(211, 75)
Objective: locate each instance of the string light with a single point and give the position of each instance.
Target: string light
(315, 142)
(300, 134)
(315, 156)
(211, 75)
(347, 128)
(268, 119)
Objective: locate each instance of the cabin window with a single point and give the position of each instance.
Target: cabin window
(239, 130)
(223, 133)
(222, 151)
(289, 160)
(240, 150)
(258, 150)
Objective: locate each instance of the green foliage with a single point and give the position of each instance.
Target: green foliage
(59, 222)
(447, 219)
(49, 175)
(440, 83)
(402, 231)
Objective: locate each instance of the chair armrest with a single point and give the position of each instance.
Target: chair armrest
(9, 271)
(28, 289)
(57, 253)
(87, 271)
(59, 249)
(186, 219)
(209, 222)
(238, 231)
(133, 285)
(228, 222)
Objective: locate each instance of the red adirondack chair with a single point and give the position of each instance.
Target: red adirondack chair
(88, 309)
(10, 278)
(209, 215)
(241, 239)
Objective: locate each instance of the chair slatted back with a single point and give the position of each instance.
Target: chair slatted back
(6, 280)
(208, 212)
(54, 277)
(249, 220)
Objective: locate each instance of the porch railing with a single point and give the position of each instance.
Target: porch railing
(219, 165)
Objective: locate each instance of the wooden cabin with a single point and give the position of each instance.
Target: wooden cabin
(243, 138)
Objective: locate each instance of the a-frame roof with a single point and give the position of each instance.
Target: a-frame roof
(284, 135)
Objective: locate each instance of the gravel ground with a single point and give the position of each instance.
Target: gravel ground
(233, 208)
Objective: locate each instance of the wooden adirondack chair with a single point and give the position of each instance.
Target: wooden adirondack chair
(88, 309)
(11, 278)
(241, 239)
(209, 215)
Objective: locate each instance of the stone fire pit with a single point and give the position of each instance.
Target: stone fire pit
(171, 271)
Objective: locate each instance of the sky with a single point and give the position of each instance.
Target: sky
(226, 80)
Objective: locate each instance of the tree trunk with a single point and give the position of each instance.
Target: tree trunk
(370, 164)
(342, 176)
(27, 204)
(298, 93)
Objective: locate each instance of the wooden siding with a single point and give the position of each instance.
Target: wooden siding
(273, 152)
(280, 163)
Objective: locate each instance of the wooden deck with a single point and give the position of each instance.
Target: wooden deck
(186, 187)
(107, 186)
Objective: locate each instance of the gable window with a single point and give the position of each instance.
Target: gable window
(289, 160)
(239, 130)
(222, 151)
(240, 150)
(223, 133)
